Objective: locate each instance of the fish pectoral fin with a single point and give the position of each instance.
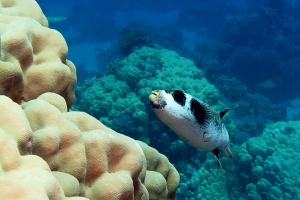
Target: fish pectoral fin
(216, 152)
(218, 163)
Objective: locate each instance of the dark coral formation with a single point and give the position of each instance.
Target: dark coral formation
(130, 39)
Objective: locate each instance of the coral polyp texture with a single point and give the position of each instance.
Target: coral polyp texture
(24, 8)
(105, 163)
(265, 167)
(49, 152)
(23, 175)
(33, 56)
(77, 155)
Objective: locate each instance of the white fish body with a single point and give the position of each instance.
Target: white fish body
(193, 120)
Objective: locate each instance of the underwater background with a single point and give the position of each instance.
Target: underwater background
(222, 52)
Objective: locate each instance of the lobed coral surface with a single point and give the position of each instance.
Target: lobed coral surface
(33, 56)
(49, 152)
(76, 155)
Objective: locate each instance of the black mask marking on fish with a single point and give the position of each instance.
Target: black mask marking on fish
(179, 97)
(193, 120)
(200, 112)
(160, 105)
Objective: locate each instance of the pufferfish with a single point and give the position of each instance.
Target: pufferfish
(193, 120)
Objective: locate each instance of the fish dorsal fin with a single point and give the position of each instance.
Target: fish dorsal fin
(226, 110)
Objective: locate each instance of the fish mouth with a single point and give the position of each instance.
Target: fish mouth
(154, 95)
(156, 100)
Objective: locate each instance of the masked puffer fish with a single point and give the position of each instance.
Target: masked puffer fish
(193, 120)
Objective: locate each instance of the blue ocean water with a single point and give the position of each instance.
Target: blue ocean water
(247, 49)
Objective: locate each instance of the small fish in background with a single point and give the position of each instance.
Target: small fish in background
(193, 120)
(267, 84)
(56, 18)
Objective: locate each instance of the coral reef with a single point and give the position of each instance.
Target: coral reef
(162, 178)
(28, 8)
(107, 99)
(25, 176)
(132, 79)
(255, 110)
(86, 158)
(124, 124)
(264, 167)
(268, 165)
(231, 87)
(135, 77)
(258, 45)
(125, 90)
(48, 151)
(33, 57)
(130, 39)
